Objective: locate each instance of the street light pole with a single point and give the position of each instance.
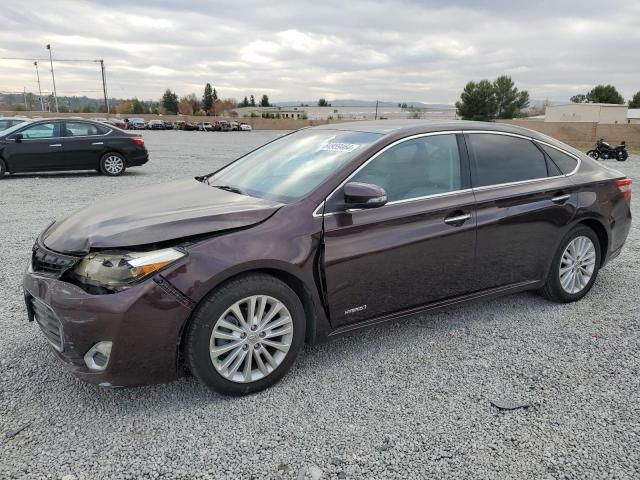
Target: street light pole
(39, 88)
(53, 78)
(104, 87)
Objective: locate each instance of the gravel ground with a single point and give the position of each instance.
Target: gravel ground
(410, 399)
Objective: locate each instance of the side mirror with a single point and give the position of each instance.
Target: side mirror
(18, 137)
(364, 195)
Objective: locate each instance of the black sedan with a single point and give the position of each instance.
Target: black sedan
(69, 144)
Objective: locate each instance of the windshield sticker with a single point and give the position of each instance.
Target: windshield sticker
(339, 147)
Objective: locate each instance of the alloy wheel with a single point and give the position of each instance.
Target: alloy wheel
(251, 338)
(577, 264)
(113, 164)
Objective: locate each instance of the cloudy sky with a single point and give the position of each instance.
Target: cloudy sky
(303, 50)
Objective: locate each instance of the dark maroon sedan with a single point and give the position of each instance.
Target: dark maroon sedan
(320, 232)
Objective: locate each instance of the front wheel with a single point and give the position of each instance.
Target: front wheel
(245, 335)
(112, 164)
(594, 154)
(622, 156)
(575, 266)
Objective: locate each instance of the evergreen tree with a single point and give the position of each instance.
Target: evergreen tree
(605, 94)
(170, 102)
(207, 99)
(264, 102)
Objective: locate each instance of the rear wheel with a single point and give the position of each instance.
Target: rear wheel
(575, 266)
(112, 164)
(246, 335)
(594, 154)
(622, 156)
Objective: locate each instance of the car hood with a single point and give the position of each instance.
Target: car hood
(155, 214)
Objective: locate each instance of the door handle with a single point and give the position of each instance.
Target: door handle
(457, 220)
(561, 198)
(56, 145)
(97, 143)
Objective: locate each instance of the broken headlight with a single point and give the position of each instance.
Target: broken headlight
(118, 269)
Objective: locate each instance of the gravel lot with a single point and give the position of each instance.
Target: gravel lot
(408, 399)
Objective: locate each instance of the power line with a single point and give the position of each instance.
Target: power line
(45, 59)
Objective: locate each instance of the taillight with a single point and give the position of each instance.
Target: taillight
(138, 140)
(624, 185)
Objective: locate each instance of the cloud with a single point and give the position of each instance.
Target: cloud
(401, 50)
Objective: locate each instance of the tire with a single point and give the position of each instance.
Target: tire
(212, 320)
(3, 168)
(589, 259)
(112, 164)
(594, 154)
(622, 156)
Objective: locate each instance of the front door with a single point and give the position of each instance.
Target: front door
(84, 144)
(41, 148)
(416, 249)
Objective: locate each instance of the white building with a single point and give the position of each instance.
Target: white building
(605, 113)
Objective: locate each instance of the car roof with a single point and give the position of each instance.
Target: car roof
(387, 127)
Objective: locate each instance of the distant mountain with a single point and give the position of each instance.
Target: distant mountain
(361, 103)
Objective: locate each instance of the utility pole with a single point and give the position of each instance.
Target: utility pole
(24, 92)
(39, 88)
(104, 86)
(376, 110)
(53, 78)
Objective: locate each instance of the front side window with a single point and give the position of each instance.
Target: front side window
(415, 168)
(41, 130)
(291, 167)
(504, 159)
(82, 129)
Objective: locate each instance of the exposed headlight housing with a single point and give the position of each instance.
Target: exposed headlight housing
(117, 270)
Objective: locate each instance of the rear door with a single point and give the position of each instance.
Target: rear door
(416, 249)
(41, 148)
(524, 205)
(84, 144)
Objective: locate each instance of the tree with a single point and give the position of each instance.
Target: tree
(207, 99)
(87, 109)
(170, 102)
(184, 106)
(193, 100)
(477, 101)
(137, 107)
(509, 102)
(264, 102)
(252, 101)
(579, 98)
(635, 101)
(323, 103)
(605, 94)
(244, 102)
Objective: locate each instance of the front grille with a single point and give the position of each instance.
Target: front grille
(46, 261)
(49, 323)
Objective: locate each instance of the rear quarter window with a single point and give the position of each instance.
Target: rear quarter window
(565, 163)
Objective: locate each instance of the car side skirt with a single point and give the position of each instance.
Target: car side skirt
(485, 294)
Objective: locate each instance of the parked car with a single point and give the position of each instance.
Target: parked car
(189, 126)
(321, 232)
(245, 127)
(117, 122)
(205, 127)
(8, 122)
(223, 126)
(66, 144)
(168, 125)
(155, 125)
(234, 126)
(136, 124)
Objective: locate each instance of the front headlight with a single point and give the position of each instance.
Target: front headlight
(118, 269)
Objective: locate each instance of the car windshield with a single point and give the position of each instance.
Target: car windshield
(291, 167)
(10, 126)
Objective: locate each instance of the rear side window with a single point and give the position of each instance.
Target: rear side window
(81, 129)
(564, 162)
(504, 159)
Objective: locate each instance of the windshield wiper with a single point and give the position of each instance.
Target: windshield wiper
(229, 188)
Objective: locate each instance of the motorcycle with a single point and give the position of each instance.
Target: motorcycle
(605, 151)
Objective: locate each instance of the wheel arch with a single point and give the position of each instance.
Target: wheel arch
(311, 310)
(601, 232)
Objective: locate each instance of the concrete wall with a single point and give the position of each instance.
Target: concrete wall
(584, 132)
